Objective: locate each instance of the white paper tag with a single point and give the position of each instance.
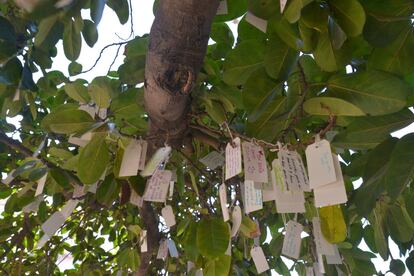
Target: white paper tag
(40, 185)
(162, 250)
(172, 249)
(222, 8)
(269, 188)
(236, 219)
(320, 266)
(89, 109)
(213, 160)
(254, 159)
(157, 186)
(257, 22)
(334, 193)
(293, 171)
(282, 5)
(9, 178)
(142, 160)
(160, 156)
(130, 159)
(309, 271)
(16, 96)
(69, 207)
(320, 164)
(334, 259)
(92, 188)
(252, 197)
(136, 199)
(233, 159)
(259, 259)
(223, 202)
(80, 141)
(228, 250)
(33, 206)
(292, 240)
(322, 246)
(286, 201)
(143, 241)
(53, 223)
(168, 215)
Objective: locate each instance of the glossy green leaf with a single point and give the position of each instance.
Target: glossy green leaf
(108, 191)
(264, 8)
(325, 105)
(350, 15)
(67, 121)
(235, 9)
(121, 8)
(129, 258)
(45, 26)
(212, 237)
(77, 91)
(72, 41)
(89, 32)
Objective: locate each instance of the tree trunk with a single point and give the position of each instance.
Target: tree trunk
(177, 46)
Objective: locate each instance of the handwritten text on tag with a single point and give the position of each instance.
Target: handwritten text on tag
(158, 186)
(292, 241)
(254, 159)
(259, 259)
(223, 202)
(320, 164)
(233, 159)
(252, 198)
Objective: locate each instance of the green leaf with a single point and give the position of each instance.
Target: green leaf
(235, 9)
(368, 132)
(374, 92)
(108, 191)
(324, 105)
(333, 224)
(74, 68)
(324, 54)
(97, 8)
(218, 267)
(190, 239)
(100, 94)
(336, 34)
(67, 121)
(129, 258)
(133, 71)
(72, 41)
(400, 229)
(264, 8)
(45, 27)
(221, 33)
(89, 32)
(212, 237)
(397, 267)
(93, 159)
(380, 239)
(287, 32)
(279, 58)
(77, 91)
(409, 262)
(293, 10)
(241, 62)
(350, 15)
(121, 8)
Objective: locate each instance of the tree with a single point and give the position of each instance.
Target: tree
(336, 70)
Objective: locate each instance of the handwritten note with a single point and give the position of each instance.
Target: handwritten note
(157, 186)
(213, 160)
(320, 164)
(172, 248)
(159, 157)
(292, 240)
(335, 258)
(254, 159)
(259, 259)
(233, 159)
(131, 159)
(40, 185)
(257, 22)
(168, 215)
(334, 193)
(293, 171)
(252, 197)
(223, 202)
(323, 247)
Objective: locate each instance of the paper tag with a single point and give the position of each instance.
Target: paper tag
(172, 249)
(157, 186)
(89, 109)
(69, 207)
(78, 191)
(320, 265)
(16, 96)
(33, 206)
(92, 188)
(282, 5)
(168, 215)
(293, 171)
(286, 201)
(40, 185)
(228, 250)
(222, 8)
(320, 164)
(102, 112)
(252, 197)
(42, 241)
(223, 202)
(259, 259)
(213, 160)
(236, 219)
(233, 159)
(334, 259)
(162, 250)
(334, 193)
(257, 22)
(143, 241)
(56, 220)
(322, 246)
(136, 199)
(254, 159)
(144, 148)
(80, 141)
(9, 178)
(269, 188)
(130, 159)
(292, 240)
(160, 156)
(309, 271)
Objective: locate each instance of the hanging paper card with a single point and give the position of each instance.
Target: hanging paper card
(322, 246)
(222, 8)
(144, 147)
(162, 250)
(293, 171)
(40, 185)
(9, 178)
(252, 198)
(236, 219)
(78, 191)
(259, 259)
(55, 221)
(333, 193)
(136, 199)
(320, 164)
(282, 5)
(172, 249)
(157, 186)
(69, 207)
(223, 202)
(255, 168)
(131, 159)
(213, 160)
(143, 241)
(89, 109)
(33, 206)
(334, 259)
(257, 22)
(233, 159)
(42, 241)
(309, 271)
(160, 156)
(292, 240)
(168, 215)
(82, 140)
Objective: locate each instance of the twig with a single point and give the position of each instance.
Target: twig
(116, 56)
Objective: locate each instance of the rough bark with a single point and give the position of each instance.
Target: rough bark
(178, 43)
